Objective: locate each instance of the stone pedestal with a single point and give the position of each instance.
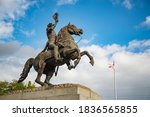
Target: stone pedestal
(57, 92)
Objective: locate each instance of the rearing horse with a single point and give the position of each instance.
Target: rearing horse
(68, 50)
(71, 50)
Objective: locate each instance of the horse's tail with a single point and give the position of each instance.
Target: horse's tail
(26, 69)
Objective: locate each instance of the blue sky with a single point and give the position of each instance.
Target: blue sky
(109, 20)
(116, 30)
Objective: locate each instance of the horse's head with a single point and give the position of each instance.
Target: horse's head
(73, 30)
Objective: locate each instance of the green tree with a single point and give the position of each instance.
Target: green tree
(14, 85)
(30, 85)
(6, 87)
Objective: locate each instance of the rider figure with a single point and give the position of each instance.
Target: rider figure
(50, 45)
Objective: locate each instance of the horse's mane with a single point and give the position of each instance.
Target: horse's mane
(59, 35)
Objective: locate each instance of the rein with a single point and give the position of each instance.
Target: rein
(80, 39)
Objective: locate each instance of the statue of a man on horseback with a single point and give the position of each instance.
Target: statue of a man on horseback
(59, 50)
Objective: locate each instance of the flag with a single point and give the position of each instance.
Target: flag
(112, 65)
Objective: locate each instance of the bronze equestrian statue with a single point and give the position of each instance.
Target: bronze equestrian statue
(47, 61)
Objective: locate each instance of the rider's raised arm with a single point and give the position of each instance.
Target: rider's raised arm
(55, 17)
(55, 24)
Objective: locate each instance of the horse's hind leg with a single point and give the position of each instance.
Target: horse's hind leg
(48, 77)
(76, 62)
(40, 72)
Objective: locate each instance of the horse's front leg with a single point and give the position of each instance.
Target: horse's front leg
(90, 57)
(76, 62)
(68, 52)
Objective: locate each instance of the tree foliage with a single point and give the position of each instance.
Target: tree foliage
(6, 87)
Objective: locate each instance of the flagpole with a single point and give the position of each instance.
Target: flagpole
(114, 75)
(115, 87)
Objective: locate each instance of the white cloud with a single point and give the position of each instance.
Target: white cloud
(11, 10)
(132, 69)
(64, 2)
(12, 59)
(9, 48)
(146, 23)
(27, 33)
(84, 42)
(143, 44)
(127, 4)
(6, 29)
(115, 2)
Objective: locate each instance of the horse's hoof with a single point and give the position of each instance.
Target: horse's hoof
(45, 85)
(21, 79)
(49, 84)
(92, 62)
